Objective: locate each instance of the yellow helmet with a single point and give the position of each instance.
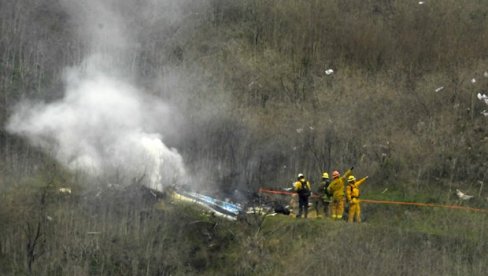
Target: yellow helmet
(325, 175)
(351, 178)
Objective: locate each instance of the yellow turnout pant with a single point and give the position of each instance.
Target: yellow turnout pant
(354, 211)
(337, 208)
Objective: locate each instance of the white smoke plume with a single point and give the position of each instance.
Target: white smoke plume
(103, 125)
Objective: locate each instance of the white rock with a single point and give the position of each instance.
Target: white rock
(329, 71)
(439, 89)
(483, 97)
(65, 190)
(463, 196)
(473, 80)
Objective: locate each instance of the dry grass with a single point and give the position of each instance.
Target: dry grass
(127, 233)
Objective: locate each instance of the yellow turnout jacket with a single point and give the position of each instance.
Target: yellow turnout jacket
(301, 186)
(352, 190)
(336, 187)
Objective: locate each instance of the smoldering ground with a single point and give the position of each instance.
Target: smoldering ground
(104, 124)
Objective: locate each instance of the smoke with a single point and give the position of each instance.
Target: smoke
(103, 125)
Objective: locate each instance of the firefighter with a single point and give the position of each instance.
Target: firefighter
(336, 188)
(352, 195)
(303, 189)
(323, 197)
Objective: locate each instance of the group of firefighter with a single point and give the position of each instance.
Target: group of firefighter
(331, 193)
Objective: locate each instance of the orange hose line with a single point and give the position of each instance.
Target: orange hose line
(372, 201)
(261, 190)
(424, 205)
